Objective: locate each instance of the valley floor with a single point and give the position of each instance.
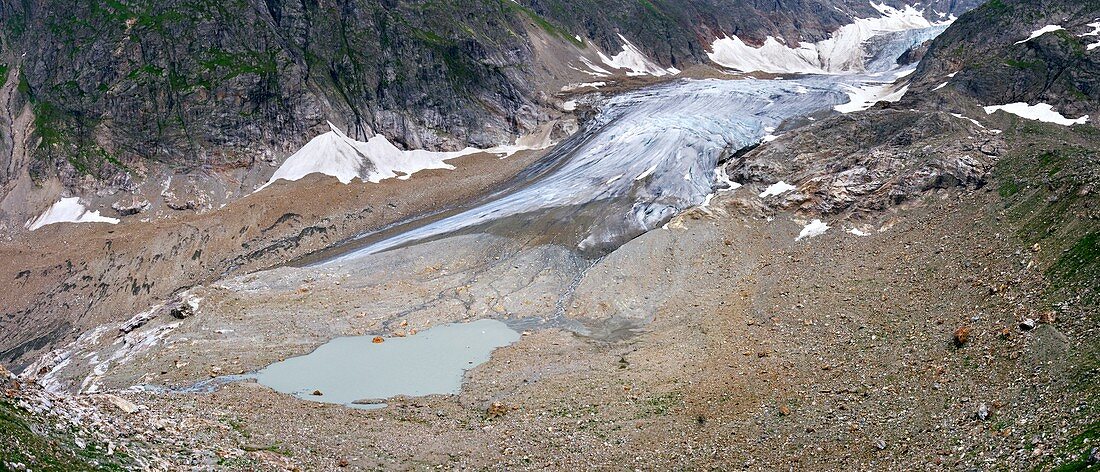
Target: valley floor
(836, 352)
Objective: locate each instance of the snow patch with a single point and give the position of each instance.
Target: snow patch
(596, 70)
(776, 189)
(866, 96)
(1095, 32)
(814, 229)
(571, 87)
(858, 232)
(1040, 112)
(647, 172)
(961, 116)
(68, 210)
(634, 61)
(334, 153)
(1041, 31)
(722, 179)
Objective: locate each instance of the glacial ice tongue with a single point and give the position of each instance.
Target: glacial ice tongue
(651, 153)
(638, 149)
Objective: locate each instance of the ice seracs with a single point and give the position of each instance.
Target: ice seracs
(68, 210)
(842, 52)
(1039, 112)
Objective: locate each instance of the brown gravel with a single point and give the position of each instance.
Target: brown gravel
(763, 353)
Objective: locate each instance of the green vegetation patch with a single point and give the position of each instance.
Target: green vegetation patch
(1030, 65)
(542, 22)
(1048, 196)
(26, 441)
(1080, 262)
(661, 405)
(1076, 455)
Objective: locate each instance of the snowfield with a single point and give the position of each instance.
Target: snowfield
(334, 153)
(633, 61)
(866, 96)
(1039, 32)
(1039, 112)
(68, 210)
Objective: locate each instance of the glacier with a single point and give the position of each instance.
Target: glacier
(842, 52)
(650, 153)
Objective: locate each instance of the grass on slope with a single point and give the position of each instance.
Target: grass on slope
(24, 440)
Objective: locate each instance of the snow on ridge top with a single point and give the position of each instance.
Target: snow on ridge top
(1041, 31)
(1039, 112)
(68, 210)
(335, 154)
(842, 52)
(634, 61)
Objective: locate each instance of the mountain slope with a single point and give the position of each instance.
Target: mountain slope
(108, 97)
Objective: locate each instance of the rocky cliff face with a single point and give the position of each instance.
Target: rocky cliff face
(987, 57)
(122, 91)
(113, 98)
(933, 139)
